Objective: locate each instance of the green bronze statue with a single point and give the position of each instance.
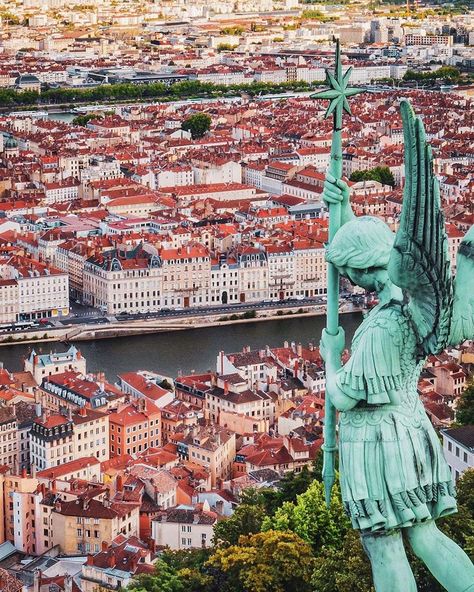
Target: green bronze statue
(395, 481)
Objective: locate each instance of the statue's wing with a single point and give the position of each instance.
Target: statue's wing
(462, 319)
(419, 263)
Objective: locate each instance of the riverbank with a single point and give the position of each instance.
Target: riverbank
(92, 332)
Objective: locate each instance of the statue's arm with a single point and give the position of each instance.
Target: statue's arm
(340, 400)
(337, 191)
(331, 348)
(372, 373)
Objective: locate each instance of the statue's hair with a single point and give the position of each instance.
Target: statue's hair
(361, 243)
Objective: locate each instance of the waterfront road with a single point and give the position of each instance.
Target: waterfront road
(95, 317)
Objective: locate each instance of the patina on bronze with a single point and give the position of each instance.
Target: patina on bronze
(395, 481)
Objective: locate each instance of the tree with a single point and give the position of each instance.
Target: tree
(271, 561)
(226, 47)
(465, 490)
(246, 520)
(342, 569)
(465, 408)
(198, 124)
(289, 487)
(83, 120)
(164, 579)
(382, 174)
(311, 519)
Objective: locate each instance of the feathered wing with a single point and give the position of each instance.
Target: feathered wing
(419, 263)
(462, 318)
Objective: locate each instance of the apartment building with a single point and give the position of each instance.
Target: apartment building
(8, 437)
(186, 273)
(232, 404)
(134, 428)
(185, 527)
(123, 284)
(212, 447)
(58, 439)
(9, 308)
(43, 291)
(253, 274)
(72, 390)
(82, 525)
(458, 448)
(17, 510)
(115, 565)
(43, 365)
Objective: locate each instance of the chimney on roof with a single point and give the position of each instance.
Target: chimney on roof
(111, 558)
(104, 546)
(90, 559)
(68, 583)
(82, 411)
(119, 483)
(37, 580)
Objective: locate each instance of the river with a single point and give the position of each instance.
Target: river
(196, 349)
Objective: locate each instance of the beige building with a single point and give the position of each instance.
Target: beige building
(80, 526)
(186, 276)
(43, 291)
(230, 402)
(8, 301)
(212, 447)
(123, 284)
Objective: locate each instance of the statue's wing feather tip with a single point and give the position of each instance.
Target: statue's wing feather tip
(462, 319)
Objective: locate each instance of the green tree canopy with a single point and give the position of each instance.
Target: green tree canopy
(271, 561)
(246, 520)
(198, 124)
(465, 408)
(312, 520)
(164, 579)
(382, 174)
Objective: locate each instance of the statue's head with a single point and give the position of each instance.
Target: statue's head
(361, 251)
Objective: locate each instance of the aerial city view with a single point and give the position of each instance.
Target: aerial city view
(236, 296)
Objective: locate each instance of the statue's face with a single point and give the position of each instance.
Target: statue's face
(365, 278)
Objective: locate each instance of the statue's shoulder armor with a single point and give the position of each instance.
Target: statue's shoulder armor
(392, 318)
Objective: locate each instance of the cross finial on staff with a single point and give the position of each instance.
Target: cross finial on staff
(338, 91)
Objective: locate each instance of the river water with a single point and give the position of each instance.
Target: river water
(196, 349)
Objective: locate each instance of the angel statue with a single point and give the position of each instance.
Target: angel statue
(395, 482)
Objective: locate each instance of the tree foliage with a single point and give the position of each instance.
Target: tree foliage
(310, 518)
(271, 561)
(382, 174)
(83, 120)
(164, 579)
(109, 93)
(465, 407)
(246, 520)
(448, 73)
(289, 541)
(198, 124)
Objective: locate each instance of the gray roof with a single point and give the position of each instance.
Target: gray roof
(464, 435)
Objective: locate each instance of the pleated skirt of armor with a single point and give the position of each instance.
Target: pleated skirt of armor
(393, 472)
